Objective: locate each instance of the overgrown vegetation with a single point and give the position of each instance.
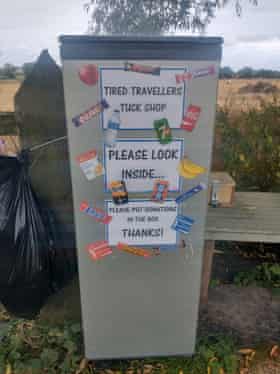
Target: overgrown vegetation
(264, 275)
(31, 347)
(250, 145)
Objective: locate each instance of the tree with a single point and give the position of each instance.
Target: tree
(27, 68)
(227, 73)
(8, 71)
(153, 16)
(245, 72)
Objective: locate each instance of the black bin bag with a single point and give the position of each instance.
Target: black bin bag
(26, 247)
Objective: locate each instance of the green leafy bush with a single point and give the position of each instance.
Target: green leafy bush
(250, 145)
(34, 348)
(219, 352)
(30, 347)
(264, 275)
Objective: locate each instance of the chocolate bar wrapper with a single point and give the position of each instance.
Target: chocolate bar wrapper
(210, 70)
(186, 195)
(119, 192)
(90, 113)
(182, 224)
(180, 228)
(134, 250)
(181, 78)
(99, 249)
(144, 69)
(185, 220)
(163, 131)
(97, 214)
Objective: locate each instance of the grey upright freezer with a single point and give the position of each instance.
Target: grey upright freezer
(140, 120)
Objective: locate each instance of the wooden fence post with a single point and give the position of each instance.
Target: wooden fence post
(209, 247)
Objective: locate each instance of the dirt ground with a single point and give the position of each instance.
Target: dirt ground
(8, 89)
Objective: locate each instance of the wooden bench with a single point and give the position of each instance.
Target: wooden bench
(254, 217)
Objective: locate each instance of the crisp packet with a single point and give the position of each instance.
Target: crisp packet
(191, 117)
(90, 164)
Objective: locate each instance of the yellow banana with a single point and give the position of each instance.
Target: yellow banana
(192, 167)
(184, 173)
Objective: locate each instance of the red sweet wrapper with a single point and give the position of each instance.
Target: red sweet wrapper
(209, 70)
(96, 213)
(191, 117)
(203, 72)
(181, 78)
(99, 249)
(86, 156)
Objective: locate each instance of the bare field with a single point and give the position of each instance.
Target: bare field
(228, 93)
(8, 89)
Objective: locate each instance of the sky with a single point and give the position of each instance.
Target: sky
(28, 26)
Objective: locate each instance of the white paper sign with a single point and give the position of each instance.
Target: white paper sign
(139, 162)
(142, 98)
(142, 222)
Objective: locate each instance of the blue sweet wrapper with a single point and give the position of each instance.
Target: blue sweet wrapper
(186, 195)
(182, 224)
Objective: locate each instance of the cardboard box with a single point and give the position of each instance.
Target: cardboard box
(224, 187)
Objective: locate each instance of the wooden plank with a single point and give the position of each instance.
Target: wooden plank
(254, 217)
(208, 254)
